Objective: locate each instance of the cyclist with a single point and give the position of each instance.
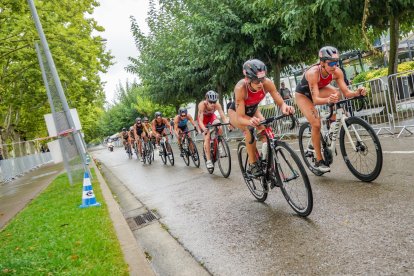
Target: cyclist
(159, 125)
(131, 139)
(315, 89)
(206, 116)
(180, 125)
(140, 131)
(124, 135)
(244, 112)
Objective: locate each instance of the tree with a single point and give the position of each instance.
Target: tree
(79, 57)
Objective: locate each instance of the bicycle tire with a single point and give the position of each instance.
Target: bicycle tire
(293, 179)
(170, 153)
(194, 153)
(163, 153)
(307, 156)
(227, 155)
(144, 152)
(149, 153)
(184, 152)
(252, 183)
(363, 149)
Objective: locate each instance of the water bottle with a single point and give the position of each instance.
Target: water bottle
(264, 151)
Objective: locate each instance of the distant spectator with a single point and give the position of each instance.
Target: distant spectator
(42, 149)
(229, 104)
(284, 91)
(172, 122)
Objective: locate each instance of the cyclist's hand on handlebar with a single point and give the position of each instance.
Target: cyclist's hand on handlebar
(254, 121)
(333, 98)
(360, 92)
(287, 109)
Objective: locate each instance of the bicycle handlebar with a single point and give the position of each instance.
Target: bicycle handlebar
(217, 125)
(268, 121)
(341, 102)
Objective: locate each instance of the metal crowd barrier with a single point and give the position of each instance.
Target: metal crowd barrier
(15, 167)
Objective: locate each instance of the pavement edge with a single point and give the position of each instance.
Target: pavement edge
(133, 253)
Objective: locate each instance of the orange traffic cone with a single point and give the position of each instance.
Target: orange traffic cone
(88, 197)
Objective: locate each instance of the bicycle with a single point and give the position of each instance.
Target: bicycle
(166, 151)
(147, 151)
(189, 148)
(129, 151)
(219, 151)
(280, 167)
(357, 139)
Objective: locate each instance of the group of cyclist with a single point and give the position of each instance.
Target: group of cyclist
(313, 89)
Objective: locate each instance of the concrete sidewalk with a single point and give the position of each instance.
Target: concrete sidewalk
(15, 195)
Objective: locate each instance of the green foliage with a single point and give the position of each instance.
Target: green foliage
(79, 57)
(378, 73)
(52, 235)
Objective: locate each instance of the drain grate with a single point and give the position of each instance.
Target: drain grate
(145, 218)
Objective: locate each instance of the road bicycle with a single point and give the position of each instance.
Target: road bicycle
(279, 167)
(189, 149)
(166, 151)
(359, 144)
(129, 150)
(219, 151)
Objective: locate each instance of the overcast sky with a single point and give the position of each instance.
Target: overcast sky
(114, 15)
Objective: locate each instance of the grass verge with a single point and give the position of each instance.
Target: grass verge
(52, 235)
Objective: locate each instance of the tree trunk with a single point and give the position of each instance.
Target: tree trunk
(277, 68)
(392, 57)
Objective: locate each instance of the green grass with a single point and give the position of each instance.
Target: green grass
(52, 235)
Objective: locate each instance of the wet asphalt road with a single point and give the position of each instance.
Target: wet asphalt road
(355, 227)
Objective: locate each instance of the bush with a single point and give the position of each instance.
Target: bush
(378, 73)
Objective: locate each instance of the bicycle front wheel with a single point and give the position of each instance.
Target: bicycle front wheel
(149, 152)
(170, 153)
(306, 148)
(184, 152)
(224, 157)
(293, 179)
(365, 160)
(194, 153)
(257, 186)
(163, 153)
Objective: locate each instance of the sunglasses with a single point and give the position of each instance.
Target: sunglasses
(257, 81)
(212, 102)
(183, 115)
(333, 63)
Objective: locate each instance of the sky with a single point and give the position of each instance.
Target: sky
(114, 15)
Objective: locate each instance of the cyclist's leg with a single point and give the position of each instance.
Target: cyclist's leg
(312, 115)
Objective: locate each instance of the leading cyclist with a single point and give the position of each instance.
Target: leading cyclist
(248, 93)
(315, 89)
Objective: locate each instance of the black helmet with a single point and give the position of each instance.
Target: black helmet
(182, 110)
(156, 114)
(123, 129)
(145, 119)
(328, 53)
(254, 69)
(211, 96)
(138, 119)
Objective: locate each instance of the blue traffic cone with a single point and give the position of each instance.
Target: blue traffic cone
(88, 197)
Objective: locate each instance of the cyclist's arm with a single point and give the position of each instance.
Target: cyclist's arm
(176, 125)
(340, 80)
(135, 133)
(167, 123)
(201, 116)
(221, 112)
(190, 118)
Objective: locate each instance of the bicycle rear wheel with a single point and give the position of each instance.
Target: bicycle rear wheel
(144, 152)
(293, 179)
(365, 162)
(170, 153)
(224, 157)
(194, 153)
(257, 186)
(306, 148)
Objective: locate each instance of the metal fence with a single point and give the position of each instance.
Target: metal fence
(15, 167)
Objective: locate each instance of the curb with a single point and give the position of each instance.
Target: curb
(133, 253)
